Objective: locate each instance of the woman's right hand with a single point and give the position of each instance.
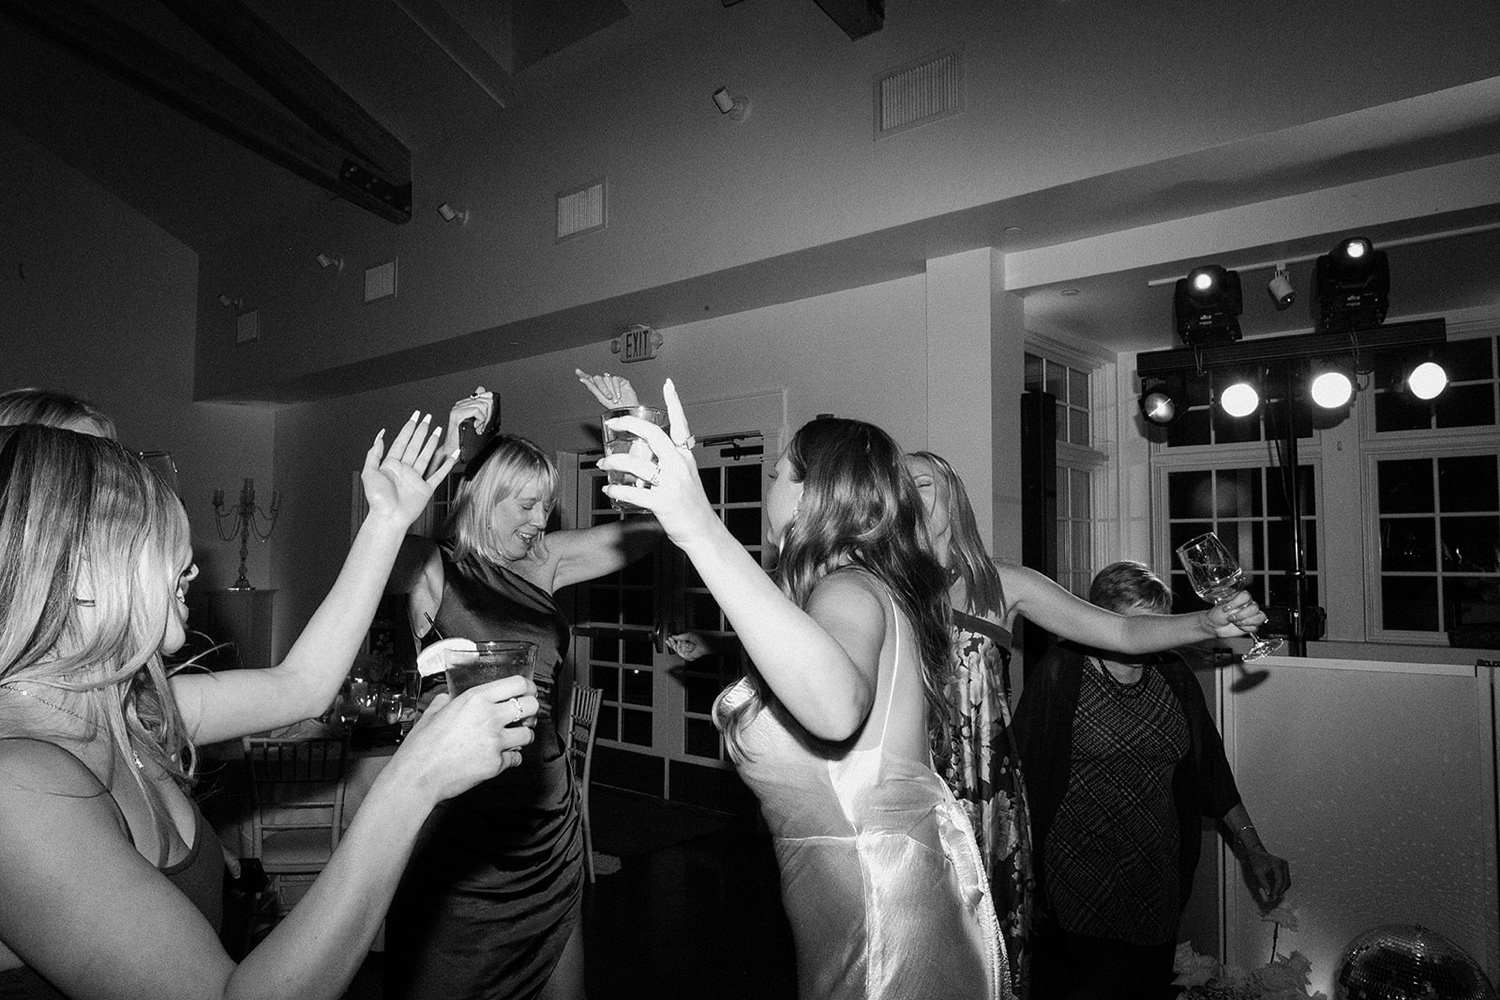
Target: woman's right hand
(675, 494)
(459, 742)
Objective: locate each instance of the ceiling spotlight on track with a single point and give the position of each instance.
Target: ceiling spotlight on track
(1281, 290)
(1351, 286)
(1427, 380)
(1207, 304)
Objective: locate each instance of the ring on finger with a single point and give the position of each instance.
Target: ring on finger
(655, 476)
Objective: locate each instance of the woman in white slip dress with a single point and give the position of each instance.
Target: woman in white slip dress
(880, 873)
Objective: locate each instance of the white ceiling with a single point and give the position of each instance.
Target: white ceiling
(1420, 177)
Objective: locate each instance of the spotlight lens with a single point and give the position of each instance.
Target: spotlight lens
(1427, 380)
(1331, 390)
(1158, 408)
(1203, 281)
(1239, 399)
(1355, 249)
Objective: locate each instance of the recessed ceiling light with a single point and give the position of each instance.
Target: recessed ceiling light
(1012, 230)
(1068, 292)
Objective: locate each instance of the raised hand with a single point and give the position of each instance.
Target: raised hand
(459, 742)
(675, 494)
(612, 391)
(397, 480)
(1230, 619)
(478, 406)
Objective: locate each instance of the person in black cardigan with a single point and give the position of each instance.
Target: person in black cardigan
(1121, 760)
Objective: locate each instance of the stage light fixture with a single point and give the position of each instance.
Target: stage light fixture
(1239, 397)
(1427, 380)
(1161, 403)
(1207, 304)
(1351, 285)
(1331, 388)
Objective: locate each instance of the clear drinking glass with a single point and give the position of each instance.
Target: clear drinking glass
(1216, 575)
(617, 442)
(488, 661)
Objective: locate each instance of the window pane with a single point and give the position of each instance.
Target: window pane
(609, 721)
(635, 687)
(1060, 417)
(1190, 494)
(1033, 376)
(1192, 428)
(1056, 380)
(604, 604)
(637, 651)
(1471, 601)
(1082, 501)
(1409, 603)
(1396, 411)
(1078, 426)
(1406, 544)
(639, 607)
(635, 727)
(701, 739)
(1466, 406)
(1078, 387)
(744, 524)
(702, 612)
(1238, 493)
(1468, 483)
(1405, 486)
(1471, 544)
(742, 484)
(702, 689)
(711, 480)
(1468, 360)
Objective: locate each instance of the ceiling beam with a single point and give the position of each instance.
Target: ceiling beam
(462, 47)
(375, 176)
(858, 18)
(290, 77)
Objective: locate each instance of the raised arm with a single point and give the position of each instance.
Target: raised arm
(822, 663)
(1041, 600)
(90, 914)
(612, 391)
(238, 702)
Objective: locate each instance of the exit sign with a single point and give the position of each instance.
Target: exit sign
(639, 343)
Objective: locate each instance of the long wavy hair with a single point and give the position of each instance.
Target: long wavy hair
(505, 466)
(967, 556)
(31, 405)
(859, 508)
(80, 515)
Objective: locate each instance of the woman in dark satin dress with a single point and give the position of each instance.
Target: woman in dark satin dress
(491, 900)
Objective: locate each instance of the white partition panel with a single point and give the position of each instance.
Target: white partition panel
(1377, 782)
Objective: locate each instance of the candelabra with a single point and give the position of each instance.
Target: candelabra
(242, 520)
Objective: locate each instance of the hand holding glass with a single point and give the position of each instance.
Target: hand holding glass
(488, 661)
(618, 442)
(1216, 576)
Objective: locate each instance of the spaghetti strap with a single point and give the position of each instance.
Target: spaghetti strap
(890, 695)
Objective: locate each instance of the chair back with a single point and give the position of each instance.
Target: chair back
(298, 787)
(585, 729)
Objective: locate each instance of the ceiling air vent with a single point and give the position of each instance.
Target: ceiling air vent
(924, 91)
(580, 210)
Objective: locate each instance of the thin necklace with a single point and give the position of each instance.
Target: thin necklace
(140, 764)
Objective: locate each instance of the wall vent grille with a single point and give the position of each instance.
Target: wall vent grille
(581, 210)
(928, 90)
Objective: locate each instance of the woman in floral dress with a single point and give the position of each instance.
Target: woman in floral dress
(973, 750)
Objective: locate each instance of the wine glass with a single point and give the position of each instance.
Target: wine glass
(1216, 575)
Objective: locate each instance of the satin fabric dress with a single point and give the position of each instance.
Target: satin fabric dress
(494, 888)
(983, 769)
(880, 876)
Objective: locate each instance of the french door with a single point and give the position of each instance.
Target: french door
(656, 733)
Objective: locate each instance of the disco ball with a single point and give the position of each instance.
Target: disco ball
(1408, 962)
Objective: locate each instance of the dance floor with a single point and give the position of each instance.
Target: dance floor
(693, 912)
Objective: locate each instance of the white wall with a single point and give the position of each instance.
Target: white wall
(99, 302)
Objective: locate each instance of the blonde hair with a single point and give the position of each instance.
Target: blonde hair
(967, 555)
(503, 468)
(79, 515)
(54, 409)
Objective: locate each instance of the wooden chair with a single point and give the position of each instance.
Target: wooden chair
(581, 748)
(298, 814)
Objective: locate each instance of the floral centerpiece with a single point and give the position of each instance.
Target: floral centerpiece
(1284, 977)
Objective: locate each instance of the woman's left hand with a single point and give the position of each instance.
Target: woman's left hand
(612, 391)
(675, 494)
(1230, 619)
(398, 483)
